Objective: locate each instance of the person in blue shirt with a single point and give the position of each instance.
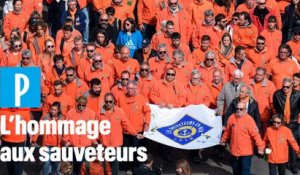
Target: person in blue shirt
(130, 36)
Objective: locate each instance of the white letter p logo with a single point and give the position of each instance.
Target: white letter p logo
(18, 91)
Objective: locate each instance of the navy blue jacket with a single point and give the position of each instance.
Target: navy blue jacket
(79, 23)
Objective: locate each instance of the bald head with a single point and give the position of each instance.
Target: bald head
(125, 53)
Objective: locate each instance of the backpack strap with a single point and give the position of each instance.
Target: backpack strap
(61, 46)
(25, 36)
(36, 45)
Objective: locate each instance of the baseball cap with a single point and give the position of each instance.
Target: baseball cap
(145, 43)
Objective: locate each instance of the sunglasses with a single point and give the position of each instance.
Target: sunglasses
(109, 102)
(16, 46)
(146, 70)
(260, 43)
(50, 46)
(124, 79)
(69, 75)
(296, 34)
(97, 61)
(240, 109)
(286, 87)
(277, 122)
(262, 3)
(225, 21)
(91, 51)
(81, 105)
(25, 58)
(162, 52)
(209, 59)
(173, 3)
(170, 74)
(104, 20)
(110, 14)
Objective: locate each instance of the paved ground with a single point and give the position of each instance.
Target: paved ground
(213, 166)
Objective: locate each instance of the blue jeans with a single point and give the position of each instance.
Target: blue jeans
(241, 165)
(87, 22)
(50, 167)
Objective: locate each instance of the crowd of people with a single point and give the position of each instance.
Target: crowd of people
(110, 59)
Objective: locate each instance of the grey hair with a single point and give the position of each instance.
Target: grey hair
(208, 13)
(249, 91)
(195, 72)
(161, 45)
(287, 80)
(163, 24)
(238, 72)
(209, 53)
(71, 1)
(26, 53)
(133, 82)
(178, 52)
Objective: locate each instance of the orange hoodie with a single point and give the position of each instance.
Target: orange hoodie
(197, 9)
(12, 20)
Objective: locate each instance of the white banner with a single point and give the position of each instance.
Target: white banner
(192, 127)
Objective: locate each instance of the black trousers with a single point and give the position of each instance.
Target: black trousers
(273, 168)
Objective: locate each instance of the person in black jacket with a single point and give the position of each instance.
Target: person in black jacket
(291, 19)
(251, 105)
(290, 111)
(144, 54)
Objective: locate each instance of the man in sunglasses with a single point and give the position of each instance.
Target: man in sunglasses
(260, 55)
(159, 63)
(87, 61)
(208, 66)
(100, 70)
(26, 60)
(146, 81)
(242, 131)
(120, 88)
(73, 86)
(295, 43)
(286, 101)
(119, 122)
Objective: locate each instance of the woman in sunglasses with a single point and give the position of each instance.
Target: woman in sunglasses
(13, 55)
(45, 59)
(277, 139)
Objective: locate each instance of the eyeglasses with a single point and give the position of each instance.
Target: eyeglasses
(97, 61)
(16, 46)
(286, 87)
(50, 46)
(240, 109)
(25, 58)
(162, 52)
(105, 20)
(126, 79)
(109, 102)
(110, 14)
(69, 75)
(275, 122)
(209, 59)
(170, 74)
(295, 34)
(146, 70)
(91, 51)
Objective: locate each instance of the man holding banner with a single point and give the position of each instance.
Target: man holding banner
(242, 130)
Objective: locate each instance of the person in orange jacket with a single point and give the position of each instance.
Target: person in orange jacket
(102, 71)
(296, 81)
(79, 113)
(73, 86)
(176, 44)
(182, 67)
(164, 35)
(77, 54)
(95, 95)
(126, 63)
(30, 6)
(242, 132)
(263, 90)
(260, 55)
(65, 43)
(87, 62)
(169, 92)
(295, 43)
(159, 63)
(124, 8)
(15, 19)
(66, 103)
(246, 33)
(197, 9)
(50, 140)
(57, 72)
(104, 46)
(180, 17)
(225, 7)
(14, 140)
(239, 61)
(283, 66)
(120, 88)
(145, 80)
(13, 54)
(278, 139)
(272, 34)
(95, 168)
(225, 50)
(197, 92)
(216, 86)
(246, 7)
(198, 54)
(119, 124)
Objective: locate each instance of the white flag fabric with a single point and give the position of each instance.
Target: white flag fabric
(192, 127)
